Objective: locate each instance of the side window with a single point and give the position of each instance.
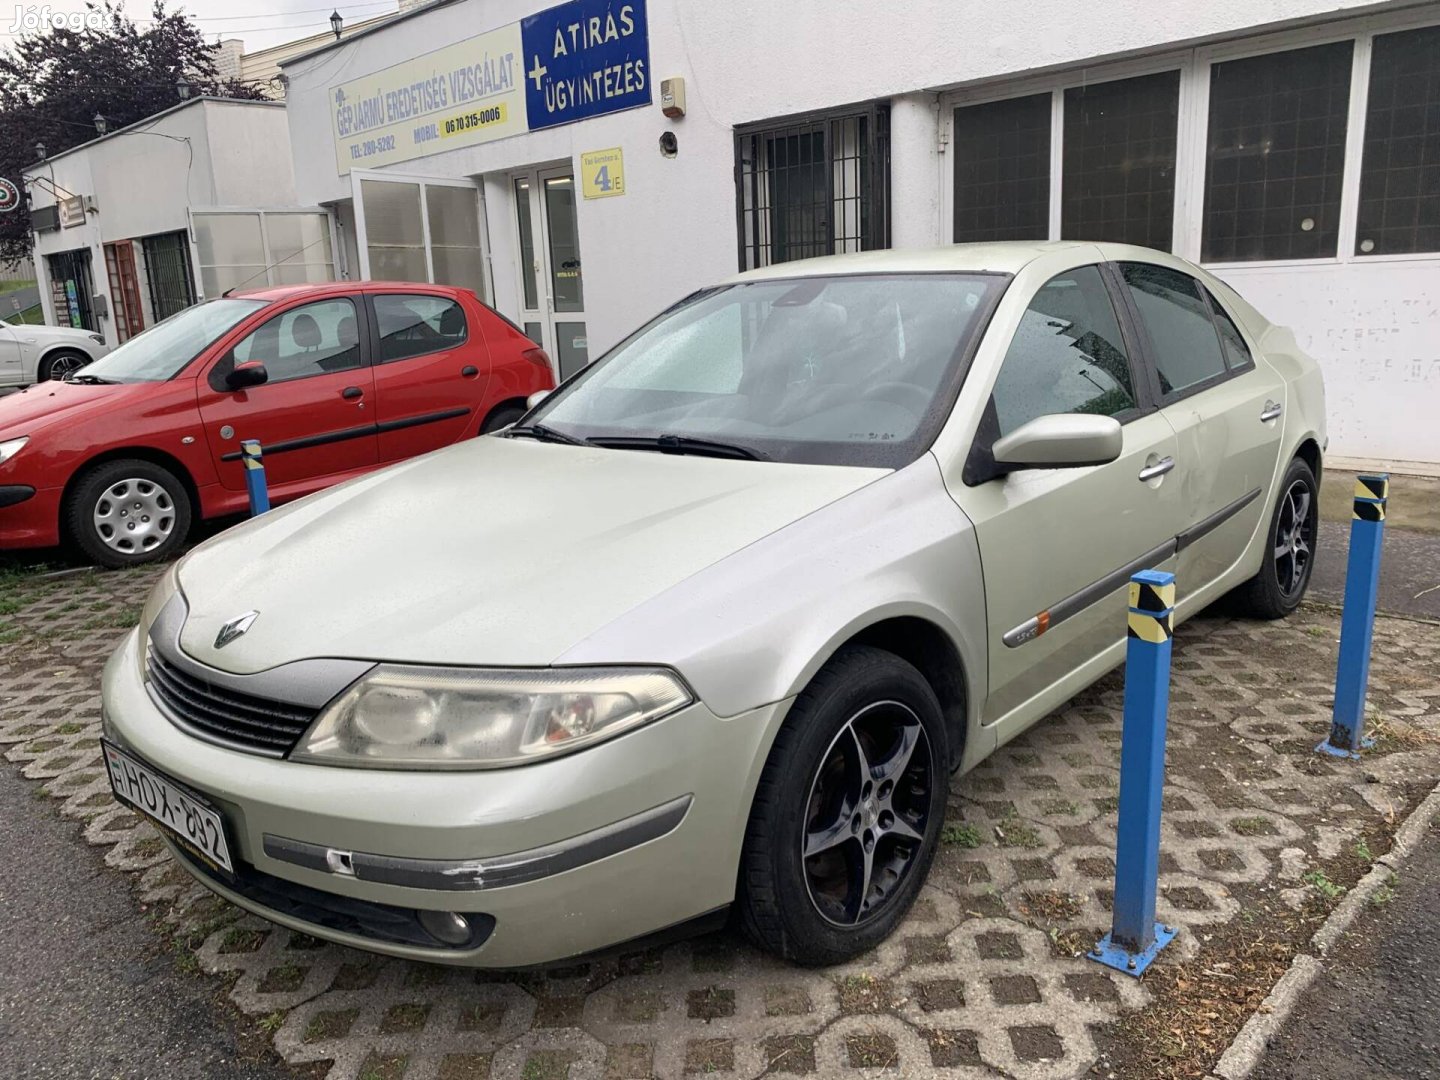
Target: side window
(1186, 347)
(312, 339)
(413, 325)
(1237, 353)
(1067, 355)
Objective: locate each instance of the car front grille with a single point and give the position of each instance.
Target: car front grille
(231, 717)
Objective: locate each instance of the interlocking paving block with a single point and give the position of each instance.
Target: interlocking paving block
(984, 978)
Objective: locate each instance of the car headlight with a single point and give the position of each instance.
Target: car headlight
(11, 447)
(466, 718)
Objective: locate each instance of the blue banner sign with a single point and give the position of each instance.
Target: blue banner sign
(585, 58)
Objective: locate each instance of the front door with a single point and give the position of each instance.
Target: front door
(10, 371)
(552, 284)
(315, 416)
(1058, 545)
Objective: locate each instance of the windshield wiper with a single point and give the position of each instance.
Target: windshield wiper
(546, 434)
(91, 380)
(677, 444)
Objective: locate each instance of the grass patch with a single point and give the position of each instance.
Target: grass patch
(965, 836)
(1252, 826)
(271, 1024)
(1317, 880)
(1013, 832)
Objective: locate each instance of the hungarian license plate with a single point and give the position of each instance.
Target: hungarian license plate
(165, 802)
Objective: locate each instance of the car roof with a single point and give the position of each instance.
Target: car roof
(340, 288)
(1007, 257)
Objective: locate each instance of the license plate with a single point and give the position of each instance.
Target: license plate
(165, 802)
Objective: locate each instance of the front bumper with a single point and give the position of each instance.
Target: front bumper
(29, 517)
(690, 776)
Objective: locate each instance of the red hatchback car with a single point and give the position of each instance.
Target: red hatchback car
(333, 380)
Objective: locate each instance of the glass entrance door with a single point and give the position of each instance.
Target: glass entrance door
(552, 284)
(414, 228)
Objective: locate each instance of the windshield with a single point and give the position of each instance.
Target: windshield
(161, 351)
(853, 370)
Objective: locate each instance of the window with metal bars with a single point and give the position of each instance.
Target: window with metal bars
(817, 184)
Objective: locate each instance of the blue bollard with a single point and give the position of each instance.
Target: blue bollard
(1357, 623)
(251, 455)
(1135, 937)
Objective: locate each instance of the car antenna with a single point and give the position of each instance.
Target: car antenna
(267, 269)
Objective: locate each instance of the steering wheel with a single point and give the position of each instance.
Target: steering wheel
(906, 395)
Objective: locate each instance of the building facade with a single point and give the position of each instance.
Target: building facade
(144, 221)
(534, 155)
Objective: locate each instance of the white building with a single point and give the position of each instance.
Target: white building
(142, 222)
(1293, 146)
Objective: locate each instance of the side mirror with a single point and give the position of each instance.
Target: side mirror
(536, 398)
(1061, 441)
(250, 373)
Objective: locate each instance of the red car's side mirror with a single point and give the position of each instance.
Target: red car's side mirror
(250, 373)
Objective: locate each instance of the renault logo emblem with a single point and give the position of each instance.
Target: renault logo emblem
(234, 628)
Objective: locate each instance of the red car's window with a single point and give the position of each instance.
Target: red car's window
(412, 324)
(313, 339)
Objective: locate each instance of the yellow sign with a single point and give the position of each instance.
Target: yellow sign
(467, 93)
(602, 173)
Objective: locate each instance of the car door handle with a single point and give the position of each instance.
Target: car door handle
(1271, 411)
(351, 393)
(469, 371)
(1160, 468)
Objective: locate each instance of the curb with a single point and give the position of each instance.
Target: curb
(1248, 1047)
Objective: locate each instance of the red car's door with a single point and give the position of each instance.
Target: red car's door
(431, 371)
(314, 416)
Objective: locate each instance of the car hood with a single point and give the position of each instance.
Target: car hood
(496, 551)
(48, 402)
(35, 332)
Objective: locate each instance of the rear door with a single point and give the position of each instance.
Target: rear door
(1058, 545)
(431, 371)
(1225, 410)
(314, 417)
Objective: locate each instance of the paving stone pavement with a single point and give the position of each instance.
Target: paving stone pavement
(985, 977)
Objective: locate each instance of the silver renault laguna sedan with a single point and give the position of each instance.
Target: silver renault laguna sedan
(714, 625)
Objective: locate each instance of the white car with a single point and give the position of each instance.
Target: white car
(31, 354)
(718, 619)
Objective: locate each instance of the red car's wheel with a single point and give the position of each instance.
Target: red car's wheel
(126, 512)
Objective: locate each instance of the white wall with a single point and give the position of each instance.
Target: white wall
(744, 60)
(145, 180)
(248, 159)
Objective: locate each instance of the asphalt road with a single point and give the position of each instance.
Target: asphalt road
(1374, 1013)
(1409, 569)
(87, 989)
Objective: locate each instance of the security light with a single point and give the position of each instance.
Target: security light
(336, 23)
(101, 124)
(182, 88)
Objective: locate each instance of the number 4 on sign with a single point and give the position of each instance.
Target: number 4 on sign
(602, 178)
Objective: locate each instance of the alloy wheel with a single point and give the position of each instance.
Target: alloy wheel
(867, 813)
(65, 365)
(134, 516)
(1294, 539)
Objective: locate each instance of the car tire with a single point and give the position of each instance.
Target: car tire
(127, 512)
(817, 816)
(1279, 586)
(502, 417)
(60, 363)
